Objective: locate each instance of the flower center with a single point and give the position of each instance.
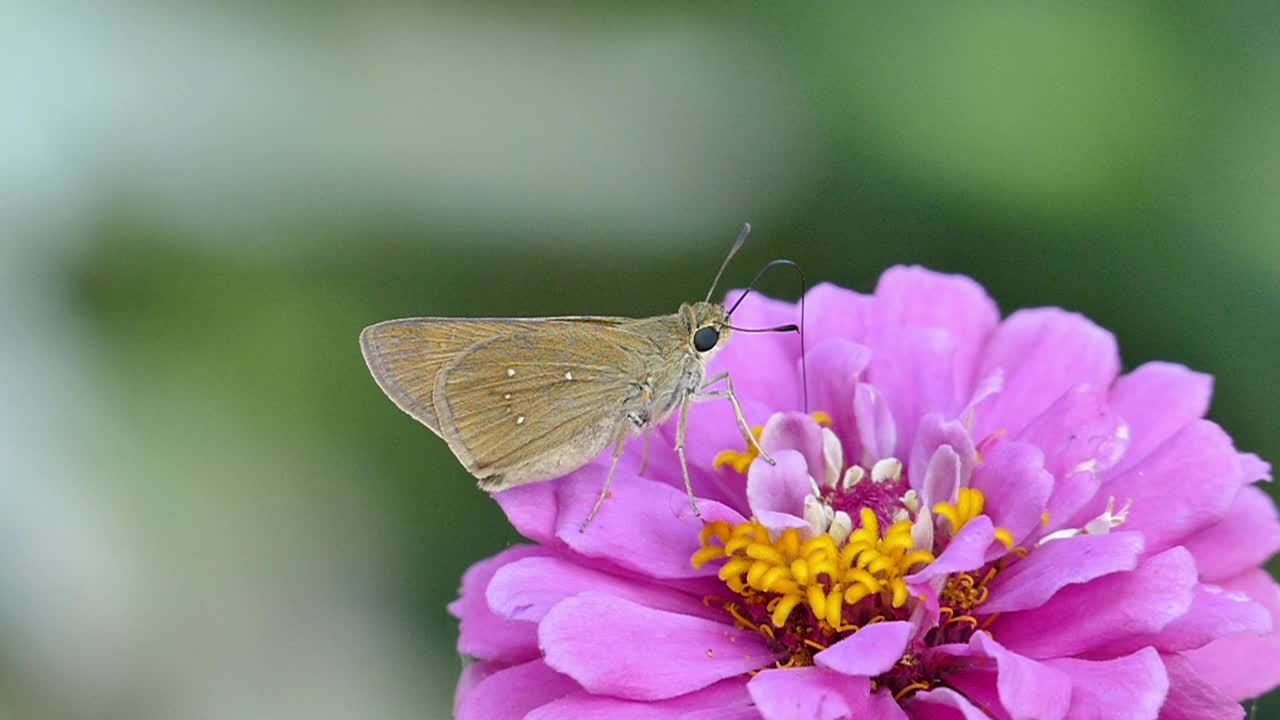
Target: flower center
(840, 586)
(806, 589)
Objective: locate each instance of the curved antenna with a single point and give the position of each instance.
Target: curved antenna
(737, 245)
(804, 290)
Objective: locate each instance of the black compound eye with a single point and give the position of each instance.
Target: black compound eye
(706, 338)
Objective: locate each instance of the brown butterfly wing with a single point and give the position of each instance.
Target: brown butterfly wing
(405, 355)
(536, 403)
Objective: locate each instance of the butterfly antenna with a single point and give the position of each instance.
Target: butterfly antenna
(804, 290)
(737, 245)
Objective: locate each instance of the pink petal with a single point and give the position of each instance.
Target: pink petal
(472, 674)
(1157, 400)
(1025, 688)
(779, 488)
(872, 650)
(834, 367)
(1134, 685)
(483, 634)
(1255, 468)
(942, 704)
(793, 431)
(616, 647)
(531, 509)
(882, 706)
(1016, 486)
(1105, 615)
(727, 700)
(512, 692)
(915, 297)
(1030, 582)
(1192, 698)
(763, 366)
(935, 432)
(1218, 663)
(1247, 537)
(1044, 352)
(645, 526)
(743, 712)
(966, 551)
(1183, 486)
(1215, 612)
(834, 312)
(527, 589)
(912, 370)
(1070, 495)
(777, 522)
(877, 433)
(1078, 432)
(942, 477)
(808, 693)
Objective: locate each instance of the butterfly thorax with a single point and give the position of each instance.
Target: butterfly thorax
(676, 368)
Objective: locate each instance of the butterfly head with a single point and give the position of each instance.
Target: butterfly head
(707, 325)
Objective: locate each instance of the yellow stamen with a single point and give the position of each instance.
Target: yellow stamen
(817, 572)
(969, 504)
(910, 689)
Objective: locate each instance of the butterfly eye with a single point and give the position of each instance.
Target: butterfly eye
(706, 338)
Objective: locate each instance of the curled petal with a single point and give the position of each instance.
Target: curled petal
(1107, 615)
(527, 589)
(616, 647)
(868, 652)
(1030, 582)
(1025, 688)
(1134, 685)
(1016, 486)
(482, 633)
(1185, 485)
(808, 693)
(935, 432)
(795, 431)
(916, 297)
(645, 526)
(1044, 353)
(779, 488)
(514, 691)
(1157, 400)
(1247, 537)
(877, 433)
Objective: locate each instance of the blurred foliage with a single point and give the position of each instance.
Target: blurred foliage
(1115, 160)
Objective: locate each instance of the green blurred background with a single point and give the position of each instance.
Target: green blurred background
(208, 510)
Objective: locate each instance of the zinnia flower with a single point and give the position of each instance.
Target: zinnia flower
(971, 518)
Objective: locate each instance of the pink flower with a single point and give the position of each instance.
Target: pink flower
(980, 518)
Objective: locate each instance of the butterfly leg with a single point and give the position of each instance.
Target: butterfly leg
(644, 455)
(747, 435)
(608, 480)
(684, 465)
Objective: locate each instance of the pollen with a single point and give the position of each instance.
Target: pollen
(740, 460)
(831, 581)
